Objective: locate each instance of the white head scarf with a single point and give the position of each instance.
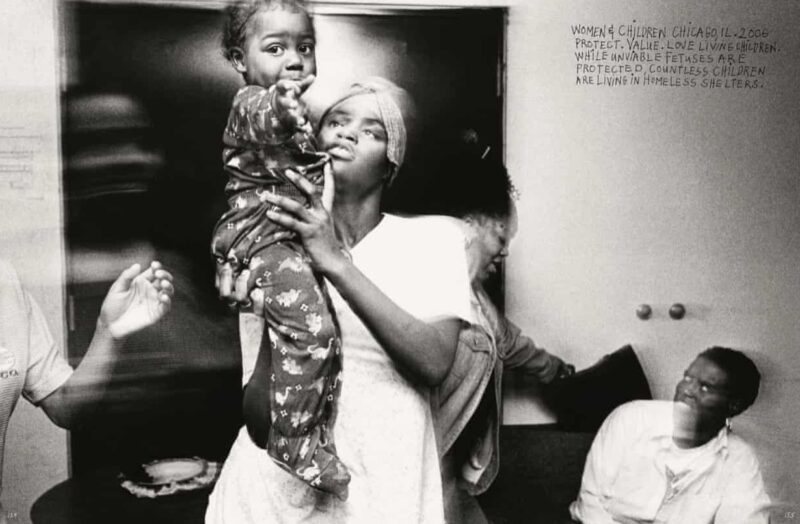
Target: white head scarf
(396, 111)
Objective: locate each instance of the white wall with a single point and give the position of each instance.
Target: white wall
(31, 225)
(649, 194)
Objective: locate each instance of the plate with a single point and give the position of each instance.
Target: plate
(170, 476)
(167, 471)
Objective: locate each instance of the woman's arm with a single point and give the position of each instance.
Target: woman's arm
(518, 351)
(422, 350)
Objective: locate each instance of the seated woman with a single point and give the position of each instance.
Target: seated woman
(679, 462)
(467, 405)
(400, 290)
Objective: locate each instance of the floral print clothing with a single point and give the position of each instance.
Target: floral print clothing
(303, 339)
(257, 152)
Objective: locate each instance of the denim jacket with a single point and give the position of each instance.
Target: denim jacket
(487, 346)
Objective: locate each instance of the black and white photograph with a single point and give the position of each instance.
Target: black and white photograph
(214, 214)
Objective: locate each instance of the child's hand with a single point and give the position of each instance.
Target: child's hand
(290, 109)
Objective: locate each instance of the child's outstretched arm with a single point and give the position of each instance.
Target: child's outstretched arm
(268, 115)
(288, 106)
(259, 117)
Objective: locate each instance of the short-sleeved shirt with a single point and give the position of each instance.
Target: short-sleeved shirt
(31, 363)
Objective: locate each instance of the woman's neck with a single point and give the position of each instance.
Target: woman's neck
(354, 219)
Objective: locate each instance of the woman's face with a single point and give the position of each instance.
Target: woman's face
(489, 243)
(352, 133)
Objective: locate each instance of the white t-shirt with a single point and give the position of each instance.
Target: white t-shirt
(430, 249)
(31, 364)
(384, 429)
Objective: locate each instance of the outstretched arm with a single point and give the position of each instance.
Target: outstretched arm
(521, 353)
(518, 351)
(136, 300)
(269, 115)
(292, 112)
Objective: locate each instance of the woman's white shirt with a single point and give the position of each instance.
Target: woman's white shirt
(384, 429)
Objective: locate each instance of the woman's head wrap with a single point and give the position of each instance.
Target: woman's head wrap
(396, 111)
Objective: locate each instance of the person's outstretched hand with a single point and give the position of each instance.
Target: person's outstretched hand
(136, 300)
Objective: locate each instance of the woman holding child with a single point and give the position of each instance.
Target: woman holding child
(400, 290)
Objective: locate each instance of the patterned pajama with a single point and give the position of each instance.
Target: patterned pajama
(303, 339)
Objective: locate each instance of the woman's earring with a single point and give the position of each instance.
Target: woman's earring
(729, 424)
(388, 178)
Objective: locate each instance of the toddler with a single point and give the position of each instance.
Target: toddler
(271, 43)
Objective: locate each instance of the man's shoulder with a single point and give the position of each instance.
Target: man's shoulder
(644, 408)
(740, 450)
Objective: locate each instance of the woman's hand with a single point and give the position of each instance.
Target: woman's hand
(238, 289)
(136, 300)
(313, 224)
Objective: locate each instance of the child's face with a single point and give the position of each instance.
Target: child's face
(279, 46)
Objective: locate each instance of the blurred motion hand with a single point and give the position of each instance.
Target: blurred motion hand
(136, 300)
(290, 109)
